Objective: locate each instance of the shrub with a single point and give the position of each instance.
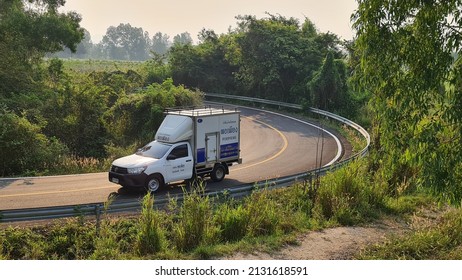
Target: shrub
(194, 225)
(265, 215)
(23, 147)
(150, 238)
(232, 221)
(347, 196)
(70, 241)
(22, 244)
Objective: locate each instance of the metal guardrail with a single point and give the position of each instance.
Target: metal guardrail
(240, 191)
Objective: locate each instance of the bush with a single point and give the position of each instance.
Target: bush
(232, 221)
(70, 241)
(347, 196)
(23, 148)
(194, 225)
(22, 244)
(257, 215)
(265, 215)
(135, 117)
(150, 238)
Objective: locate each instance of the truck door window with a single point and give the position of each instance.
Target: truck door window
(179, 152)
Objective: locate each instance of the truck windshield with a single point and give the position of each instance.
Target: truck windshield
(154, 150)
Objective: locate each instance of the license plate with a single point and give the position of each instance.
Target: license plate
(115, 180)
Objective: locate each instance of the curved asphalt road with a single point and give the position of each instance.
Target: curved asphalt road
(271, 146)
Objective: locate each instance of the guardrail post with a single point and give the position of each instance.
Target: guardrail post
(98, 218)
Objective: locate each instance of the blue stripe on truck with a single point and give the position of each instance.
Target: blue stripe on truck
(229, 150)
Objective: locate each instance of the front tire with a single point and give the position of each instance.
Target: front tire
(154, 183)
(218, 173)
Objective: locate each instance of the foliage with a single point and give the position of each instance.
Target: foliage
(136, 117)
(194, 224)
(409, 54)
(183, 39)
(258, 215)
(348, 196)
(125, 42)
(82, 118)
(27, 33)
(204, 66)
(160, 43)
(23, 146)
(156, 69)
(151, 237)
(275, 56)
(328, 88)
(74, 117)
(198, 227)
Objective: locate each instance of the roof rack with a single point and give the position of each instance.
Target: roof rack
(200, 111)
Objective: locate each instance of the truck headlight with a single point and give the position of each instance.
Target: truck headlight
(136, 170)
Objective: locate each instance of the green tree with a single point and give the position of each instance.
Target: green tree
(406, 51)
(23, 146)
(276, 57)
(184, 63)
(84, 49)
(328, 88)
(160, 43)
(125, 42)
(75, 116)
(183, 39)
(204, 66)
(136, 117)
(29, 30)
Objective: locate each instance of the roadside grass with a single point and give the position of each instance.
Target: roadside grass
(203, 227)
(441, 240)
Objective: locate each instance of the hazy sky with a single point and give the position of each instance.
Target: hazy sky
(177, 16)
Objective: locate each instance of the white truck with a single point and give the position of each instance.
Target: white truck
(189, 143)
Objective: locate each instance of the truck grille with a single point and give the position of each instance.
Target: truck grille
(119, 170)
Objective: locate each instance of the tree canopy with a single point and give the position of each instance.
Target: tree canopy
(29, 30)
(410, 60)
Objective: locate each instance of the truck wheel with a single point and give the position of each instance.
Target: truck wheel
(153, 183)
(218, 173)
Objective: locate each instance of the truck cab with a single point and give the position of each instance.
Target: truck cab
(154, 165)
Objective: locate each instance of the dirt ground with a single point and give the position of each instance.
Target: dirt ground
(343, 243)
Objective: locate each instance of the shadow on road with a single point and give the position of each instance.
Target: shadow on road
(8, 182)
(129, 194)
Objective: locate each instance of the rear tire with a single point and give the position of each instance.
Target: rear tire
(154, 183)
(218, 173)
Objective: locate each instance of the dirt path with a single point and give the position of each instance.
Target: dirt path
(340, 243)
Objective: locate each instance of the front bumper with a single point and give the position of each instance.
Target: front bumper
(128, 180)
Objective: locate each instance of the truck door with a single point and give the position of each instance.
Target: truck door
(179, 164)
(211, 147)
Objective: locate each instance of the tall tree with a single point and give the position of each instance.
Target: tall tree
(277, 57)
(160, 43)
(84, 48)
(204, 66)
(183, 39)
(125, 42)
(410, 60)
(328, 87)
